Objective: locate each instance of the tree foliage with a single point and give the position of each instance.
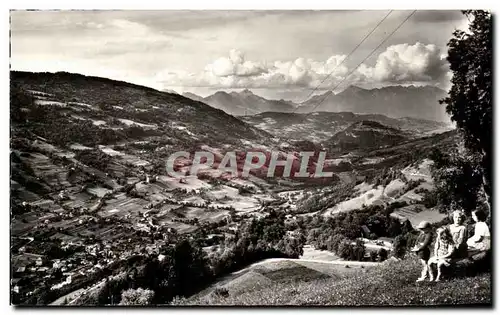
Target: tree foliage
(382, 254)
(137, 297)
(186, 268)
(458, 177)
(18, 99)
(469, 100)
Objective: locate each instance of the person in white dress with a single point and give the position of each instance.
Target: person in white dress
(444, 248)
(480, 241)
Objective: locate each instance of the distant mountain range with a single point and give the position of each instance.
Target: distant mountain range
(392, 101)
(170, 91)
(243, 103)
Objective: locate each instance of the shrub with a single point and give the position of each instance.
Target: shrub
(382, 254)
(430, 199)
(137, 297)
(221, 291)
(399, 246)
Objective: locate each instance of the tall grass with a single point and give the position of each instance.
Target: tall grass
(392, 283)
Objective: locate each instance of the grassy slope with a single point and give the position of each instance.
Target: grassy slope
(204, 121)
(392, 283)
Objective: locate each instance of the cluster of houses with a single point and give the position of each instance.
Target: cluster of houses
(31, 271)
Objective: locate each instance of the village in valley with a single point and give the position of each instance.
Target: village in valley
(90, 220)
(120, 193)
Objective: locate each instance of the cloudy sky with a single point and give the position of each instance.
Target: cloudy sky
(277, 54)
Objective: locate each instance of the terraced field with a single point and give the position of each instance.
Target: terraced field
(419, 213)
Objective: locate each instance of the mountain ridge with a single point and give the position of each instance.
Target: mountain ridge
(396, 101)
(320, 126)
(366, 134)
(246, 102)
(95, 98)
(393, 101)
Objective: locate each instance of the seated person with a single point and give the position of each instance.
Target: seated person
(481, 239)
(459, 234)
(443, 251)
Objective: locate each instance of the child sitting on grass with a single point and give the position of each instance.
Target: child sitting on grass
(444, 249)
(481, 241)
(422, 247)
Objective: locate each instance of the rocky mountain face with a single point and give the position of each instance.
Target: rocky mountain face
(243, 103)
(393, 101)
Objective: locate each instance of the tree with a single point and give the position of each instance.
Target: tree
(399, 246)
(19, 98)
(53, 251)
(43, 298)
(44, 295)
(469, 100)
(313, 235)
(335, 241)
(293, 247)
(458, 178)
(406, 227)
(382, 254)
(430, 199)
(221, 292)
(345, 249)
(104, 296)
(359, 250)
(190, 266)
(139, 296)
(394, 227)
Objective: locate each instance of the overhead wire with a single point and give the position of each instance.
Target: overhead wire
(347, 57)
(368, 56)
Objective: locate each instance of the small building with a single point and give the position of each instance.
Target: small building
(39, 261)
(56, 263)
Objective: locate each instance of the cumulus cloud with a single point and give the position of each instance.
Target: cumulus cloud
(410, 63)
(401, 63)
(235, 65)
